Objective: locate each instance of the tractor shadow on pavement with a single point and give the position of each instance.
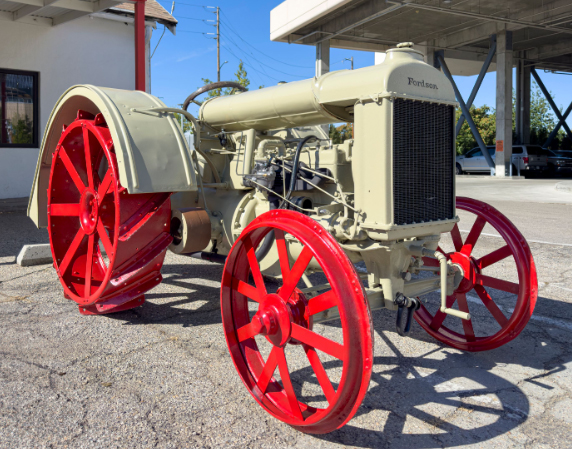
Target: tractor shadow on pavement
(443, 398)
(189, 295)
(446, 398)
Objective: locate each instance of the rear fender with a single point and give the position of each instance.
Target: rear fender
(152, 153)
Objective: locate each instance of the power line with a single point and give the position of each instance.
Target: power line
(262, 63)
(259, 51)
(190, 4)
(193, 18)
(251, 67)
(196, 32)
(248, 62)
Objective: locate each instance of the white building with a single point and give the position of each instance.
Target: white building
(46, 46)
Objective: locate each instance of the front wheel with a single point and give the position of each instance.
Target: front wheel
(500, 308)
(278, 352)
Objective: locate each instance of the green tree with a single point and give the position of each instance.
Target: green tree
(542, 119)
(338, 134)
(542, 122)
(241, 77)
(485, 121)
(22, 129)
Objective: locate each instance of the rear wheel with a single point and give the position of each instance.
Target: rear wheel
(510, 304)
(458, 169)
(273, 335)
(108, 246)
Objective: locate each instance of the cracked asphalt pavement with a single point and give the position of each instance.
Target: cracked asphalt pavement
(160, 375)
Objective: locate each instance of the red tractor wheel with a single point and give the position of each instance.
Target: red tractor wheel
(281, 325)
(482, 275)
(108, 246)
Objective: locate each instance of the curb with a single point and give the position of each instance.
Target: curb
(34, 255)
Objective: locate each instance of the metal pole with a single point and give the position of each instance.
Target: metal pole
(140, 45)
(478, 83)
(557, 128)
(550, 101)
(352, 59)
(217, 44)
(466, 113)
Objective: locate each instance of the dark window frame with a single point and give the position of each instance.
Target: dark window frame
(36, 115)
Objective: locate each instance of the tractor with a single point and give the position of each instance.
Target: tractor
(313, 235)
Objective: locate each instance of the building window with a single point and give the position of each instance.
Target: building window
(18, 109)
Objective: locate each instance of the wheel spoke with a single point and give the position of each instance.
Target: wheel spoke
(68, 164)
(496, 312)
(64, 210)
(467, 324)
(249, 330)
(87, 151)
(473, 236)
(287, 383)
(322, 302)
(71, 251)
(494, 257)
(268, 370)
(89, 265)
(282, 253)
(439, 317)
(246, 289)
(254, 267)
(498, 284)
(105, 184)
(321, 374)
(102, 233)
(296, 274)
(457, 239)
(316, 341)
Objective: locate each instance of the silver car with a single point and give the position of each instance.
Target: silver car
(531, 159)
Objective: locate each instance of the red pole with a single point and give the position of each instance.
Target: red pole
(140, 45)
(3, 121)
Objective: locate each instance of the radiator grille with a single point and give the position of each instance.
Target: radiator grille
(423, 152)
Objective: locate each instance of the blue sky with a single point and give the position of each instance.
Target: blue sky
(181, 61)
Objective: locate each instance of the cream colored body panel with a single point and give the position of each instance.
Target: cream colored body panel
(329, 98)
(152, 154)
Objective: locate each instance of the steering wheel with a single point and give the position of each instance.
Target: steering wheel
(209, 87)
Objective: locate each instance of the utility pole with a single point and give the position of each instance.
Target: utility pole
(352, 61)
(217, 44)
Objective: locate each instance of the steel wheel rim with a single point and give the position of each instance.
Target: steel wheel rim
(357, 364)
(105, 187)
(526, 290)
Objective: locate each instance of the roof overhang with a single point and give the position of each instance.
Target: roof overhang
(541, 30)
(50, 12)
(56, 12)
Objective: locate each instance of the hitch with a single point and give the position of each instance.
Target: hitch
(411, 304)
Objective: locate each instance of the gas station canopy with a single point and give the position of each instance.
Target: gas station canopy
(541, 30)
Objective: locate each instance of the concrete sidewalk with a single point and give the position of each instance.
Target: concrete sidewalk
(489, 188)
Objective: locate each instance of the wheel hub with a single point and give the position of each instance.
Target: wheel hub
(88, 211)
(469, 268)
(276, 320)
(276, 317)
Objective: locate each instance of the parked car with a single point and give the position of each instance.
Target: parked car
(531, 159)
(559, 162)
